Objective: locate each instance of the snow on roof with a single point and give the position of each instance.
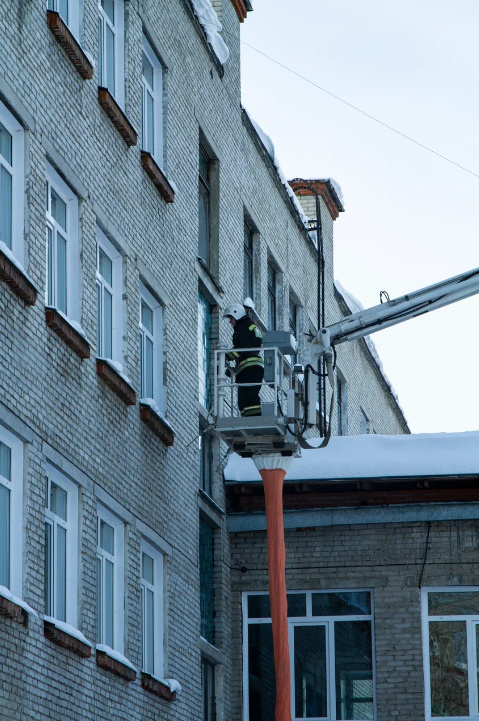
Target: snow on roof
(373, 456)
(356, 307)
(269, 145)
(208, 20)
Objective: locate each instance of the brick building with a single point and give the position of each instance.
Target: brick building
(137, 200)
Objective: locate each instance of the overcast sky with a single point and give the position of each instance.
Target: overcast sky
(412, 218)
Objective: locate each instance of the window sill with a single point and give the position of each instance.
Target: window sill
(109, 663)
(13, 276)
(117, 116)
(74, 340)
(12, 610)
(210, 275)
(115, 381)
(240, 9)
(65, 38)
(152, 684)
(61, 637)
(153, 170)
(155, 422)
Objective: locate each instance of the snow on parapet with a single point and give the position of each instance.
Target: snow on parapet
(374, 456)
(356, 307)
(269, 145)
(208, 20)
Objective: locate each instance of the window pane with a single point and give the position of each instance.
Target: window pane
(150, 630)
(453, 604)
(63, 9)
(110, 60)
(354, 671)
(50, 265)
(105, 266)
(448, 663)
(150, 123)
(5, 144)
(204, 166)
(5, 461)
(142, 367)
(99, 601)
(6, 207)
(203, 224)
(207, 583)
(107, 537)
(109, 8)
(48, 569)
(60, 573)
(206, 457)
(4, 536)
(61, 301)
(146, 317)
(310, 685)
(147, 565)
(58, 501)
(261, 679)
(208, 690)
(101, 50)
(99, 346)
(204, 346)
(107, 324)
(349, 603)
(259, 607)
(59, 210)
(147, 70)
(108, 603)
(148, 368)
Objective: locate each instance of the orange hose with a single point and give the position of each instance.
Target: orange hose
(273, 493)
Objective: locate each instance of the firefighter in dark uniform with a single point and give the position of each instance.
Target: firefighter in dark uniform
(249, 364)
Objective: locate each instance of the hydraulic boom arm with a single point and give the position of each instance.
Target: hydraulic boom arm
(359, 325)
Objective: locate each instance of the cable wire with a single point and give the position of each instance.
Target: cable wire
(358, 110)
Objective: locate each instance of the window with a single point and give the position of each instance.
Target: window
(342, 404)
(151, 589)
(151, 348)
(207, 581)
(205, 448)
(152, 103)
(271, 297)
(62, 245)
(61, 547)
(204, 349)
(108, 288)
(366, 425)
(248, 261)
(11, 512)
(69, 12)
(204, 205)
(451, 652)
(111, 48)
(110, 581)
(330, 637)
(293, 323)
(208, 690)
(11, 182)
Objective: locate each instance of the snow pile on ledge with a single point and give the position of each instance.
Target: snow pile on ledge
(154, 407)
(118, 368)
(337, 188)
(373, 456)
(6, 593)
(115, 654)
(173, 684)
(6, 251)
(74, 324)
(208, 20)
(70, 630)
(356, 307)
(269, 145)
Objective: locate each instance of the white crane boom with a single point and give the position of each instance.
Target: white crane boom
(392, 312)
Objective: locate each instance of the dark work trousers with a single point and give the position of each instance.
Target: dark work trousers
(248, 397)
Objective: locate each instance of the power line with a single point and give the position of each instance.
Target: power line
(363, 112)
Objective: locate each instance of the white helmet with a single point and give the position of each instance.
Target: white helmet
(235, 311)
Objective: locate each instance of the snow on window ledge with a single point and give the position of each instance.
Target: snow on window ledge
(68, 629)
(8, 596)
(13, 273)
(165, 688)
(117, 367)
(114, 661)
(208, 20)
(154, 407)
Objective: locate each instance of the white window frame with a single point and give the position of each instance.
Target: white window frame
(309, 620)
(471, 621)
(115, 289)
(54, 181)
(71, 527)
(15, 487)
(158, 608)
(118, 30)
(73, 14)
(157, 94)
(17, 172)
(158, 339)
(118, 560)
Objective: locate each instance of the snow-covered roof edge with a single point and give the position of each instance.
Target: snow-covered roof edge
(354, 306)
(208, 20)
